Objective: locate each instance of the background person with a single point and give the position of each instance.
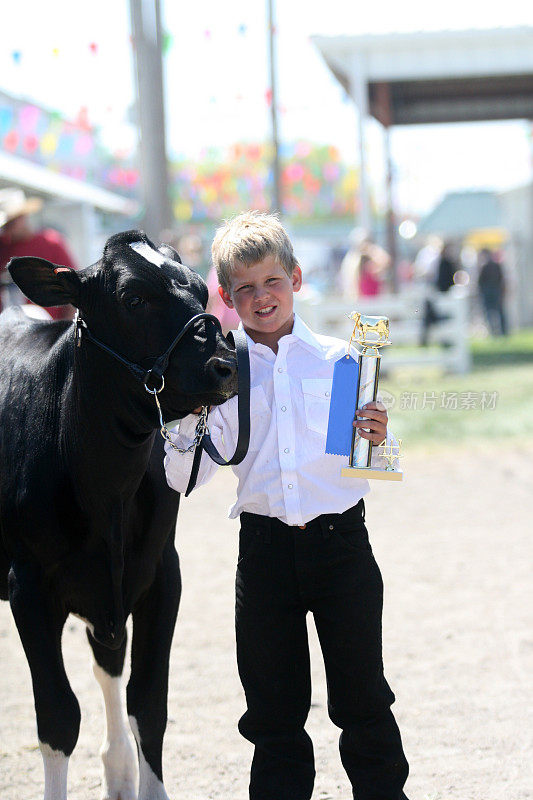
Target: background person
(229, 319)
(369, 282)
(376, 259)
(491, 288)
(443, 280)
(446, 269)
(17, 238)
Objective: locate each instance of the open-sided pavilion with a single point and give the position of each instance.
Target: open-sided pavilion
(431, 77)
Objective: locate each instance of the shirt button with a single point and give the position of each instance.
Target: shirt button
(283, 408)
(280, 369)
(327, 394)
(286, 450)
(331, 527)
(290, 485)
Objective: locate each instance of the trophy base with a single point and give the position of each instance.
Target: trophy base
(372, 474)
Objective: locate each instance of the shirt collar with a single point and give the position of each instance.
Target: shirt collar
(300, 332)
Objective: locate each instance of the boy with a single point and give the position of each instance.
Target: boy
(303, 544)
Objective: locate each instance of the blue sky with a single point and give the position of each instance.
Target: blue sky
(216, 78)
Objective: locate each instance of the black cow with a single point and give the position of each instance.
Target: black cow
(86, 517)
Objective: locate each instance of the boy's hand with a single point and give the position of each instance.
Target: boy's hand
(372, 422)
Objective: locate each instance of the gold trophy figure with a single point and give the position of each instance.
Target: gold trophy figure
(370, 334)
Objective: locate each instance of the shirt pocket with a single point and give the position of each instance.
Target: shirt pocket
(260, 413)
(317, 396)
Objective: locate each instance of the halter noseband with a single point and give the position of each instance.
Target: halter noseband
(161, 363)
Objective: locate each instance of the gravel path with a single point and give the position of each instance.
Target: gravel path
(455, 552)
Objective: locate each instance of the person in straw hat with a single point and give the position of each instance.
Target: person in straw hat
(17, 238)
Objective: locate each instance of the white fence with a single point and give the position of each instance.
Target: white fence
(406, 314)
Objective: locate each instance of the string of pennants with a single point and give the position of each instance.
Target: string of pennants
(168, 42)
(166, 45)
(208, 34)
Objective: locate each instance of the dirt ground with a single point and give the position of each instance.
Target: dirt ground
(454, 545)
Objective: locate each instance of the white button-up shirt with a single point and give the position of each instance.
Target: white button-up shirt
(286, 472)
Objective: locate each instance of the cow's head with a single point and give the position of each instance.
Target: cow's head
(136, 299)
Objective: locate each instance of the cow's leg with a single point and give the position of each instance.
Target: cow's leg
(117, 753)
(153, 626)
(40, 623)
(4, 571)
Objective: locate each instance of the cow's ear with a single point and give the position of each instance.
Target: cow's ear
(44, 283)
(169, 252)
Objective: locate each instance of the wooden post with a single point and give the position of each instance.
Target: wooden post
(383, 102)
(147, 46)
(359, 88)
(276, 202)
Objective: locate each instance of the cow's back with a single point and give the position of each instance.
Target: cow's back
(21, 335)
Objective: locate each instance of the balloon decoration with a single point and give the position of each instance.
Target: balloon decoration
(63, 146)
(315, 182)
(222, 181)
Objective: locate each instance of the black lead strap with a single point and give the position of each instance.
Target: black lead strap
(243, 414)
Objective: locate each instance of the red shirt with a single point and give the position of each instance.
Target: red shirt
(47, 244)
(369, 285)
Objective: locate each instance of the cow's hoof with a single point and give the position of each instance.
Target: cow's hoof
(119, 771)
(128, 793)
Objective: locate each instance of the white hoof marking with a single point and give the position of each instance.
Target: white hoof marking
(150, 787)
(55, 773)
(119, 771)
(117, 752)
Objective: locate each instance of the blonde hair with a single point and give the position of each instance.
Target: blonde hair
(247, 239)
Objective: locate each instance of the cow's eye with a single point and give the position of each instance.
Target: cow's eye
(134, 301)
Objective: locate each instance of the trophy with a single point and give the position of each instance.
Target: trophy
(355, 383)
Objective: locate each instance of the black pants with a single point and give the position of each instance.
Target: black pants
(494, 310)
(326, 568)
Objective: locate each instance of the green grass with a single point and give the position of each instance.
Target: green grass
(502, 375)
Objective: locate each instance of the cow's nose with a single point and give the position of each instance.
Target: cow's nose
(221, 368)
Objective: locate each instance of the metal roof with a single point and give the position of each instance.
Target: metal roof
(461, 212)
(35, 178)
(438, 76)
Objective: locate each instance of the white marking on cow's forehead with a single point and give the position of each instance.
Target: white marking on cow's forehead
(147, 252)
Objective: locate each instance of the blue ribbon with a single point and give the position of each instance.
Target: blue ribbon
(342, 406)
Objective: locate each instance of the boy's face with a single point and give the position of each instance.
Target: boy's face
(262, 296)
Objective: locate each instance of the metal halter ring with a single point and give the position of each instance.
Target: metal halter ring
(201, 426)
(156, 391)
